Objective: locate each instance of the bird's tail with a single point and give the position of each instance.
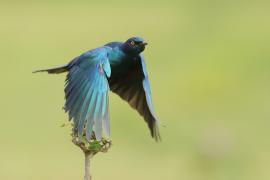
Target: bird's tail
(55, 70)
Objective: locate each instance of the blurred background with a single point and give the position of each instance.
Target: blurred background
(209, 69)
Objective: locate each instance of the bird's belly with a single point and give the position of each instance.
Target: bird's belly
(120, 68)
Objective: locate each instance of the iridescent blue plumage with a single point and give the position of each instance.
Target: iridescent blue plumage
(117, 66)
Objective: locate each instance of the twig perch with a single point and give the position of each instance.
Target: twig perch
(87, 173)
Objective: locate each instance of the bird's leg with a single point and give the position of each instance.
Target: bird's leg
(87, 174)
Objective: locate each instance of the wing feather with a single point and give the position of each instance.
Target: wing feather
(85, 91)
(135, 89)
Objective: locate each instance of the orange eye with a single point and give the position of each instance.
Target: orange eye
(132, 43)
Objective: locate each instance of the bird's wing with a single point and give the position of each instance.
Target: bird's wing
(135, 89)
(86, 93)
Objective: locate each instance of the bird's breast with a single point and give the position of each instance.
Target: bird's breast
(119, 62)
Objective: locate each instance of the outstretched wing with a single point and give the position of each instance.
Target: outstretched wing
(86, 93)
(135, 89)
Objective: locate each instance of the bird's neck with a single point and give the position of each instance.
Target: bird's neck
(119, 61)
(127, 51)
(120, 55)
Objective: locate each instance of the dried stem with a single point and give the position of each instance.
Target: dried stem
(87, 172)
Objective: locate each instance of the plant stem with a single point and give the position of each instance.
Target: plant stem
(87, 174)
(90, 148)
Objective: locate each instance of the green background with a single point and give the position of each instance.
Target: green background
(209, 68)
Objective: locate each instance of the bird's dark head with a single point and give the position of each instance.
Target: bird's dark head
(134, 45)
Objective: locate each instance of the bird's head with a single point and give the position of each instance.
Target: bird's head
(134, 45)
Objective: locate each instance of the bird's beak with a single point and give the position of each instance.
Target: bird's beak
(144, 43)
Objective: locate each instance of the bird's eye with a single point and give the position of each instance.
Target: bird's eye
(132, 43)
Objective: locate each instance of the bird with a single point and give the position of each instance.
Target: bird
(116, 66)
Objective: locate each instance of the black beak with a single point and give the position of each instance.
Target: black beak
(144, 43)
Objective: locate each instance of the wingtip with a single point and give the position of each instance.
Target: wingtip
(156, 133)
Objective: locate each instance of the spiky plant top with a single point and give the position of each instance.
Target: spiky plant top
(93, 146)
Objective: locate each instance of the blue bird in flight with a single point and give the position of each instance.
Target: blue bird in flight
(116, 66)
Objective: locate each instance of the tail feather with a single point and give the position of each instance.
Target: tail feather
(56, 70)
